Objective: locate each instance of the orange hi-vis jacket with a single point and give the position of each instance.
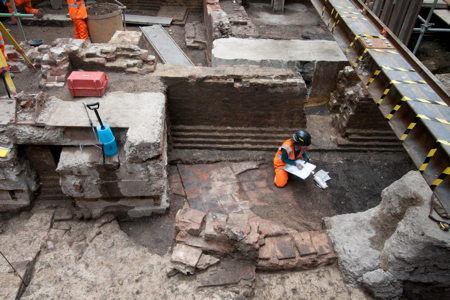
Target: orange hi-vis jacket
(77, 9)
(289, 146)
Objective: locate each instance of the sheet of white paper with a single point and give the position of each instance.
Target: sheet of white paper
(303, 173)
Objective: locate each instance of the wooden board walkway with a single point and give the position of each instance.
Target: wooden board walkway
(166, 48)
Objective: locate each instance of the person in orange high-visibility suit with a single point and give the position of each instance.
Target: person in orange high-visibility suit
(26, 5)
(78, 14)
(291, 150)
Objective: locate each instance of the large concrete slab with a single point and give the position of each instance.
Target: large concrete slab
(319, 61)
(274, 53)
(118, 109)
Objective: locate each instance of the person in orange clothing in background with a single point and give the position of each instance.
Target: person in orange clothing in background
(291, 150)
(78, 14)
(26, 5)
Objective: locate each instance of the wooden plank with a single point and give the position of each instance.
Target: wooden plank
(147, 20)
(387, 11)
(443, 14)
(166, 48)
(398, 16)
(411, 17)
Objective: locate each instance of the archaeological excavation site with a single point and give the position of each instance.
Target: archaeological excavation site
(225, 149)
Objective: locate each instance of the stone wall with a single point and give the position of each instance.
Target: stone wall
(134, 188)
(204, 238)
(240, 96)
(394, 249)
(353, 106)
(17, 182)
(128, 190)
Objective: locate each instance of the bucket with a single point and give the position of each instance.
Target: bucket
(108, 140)
(104, 19)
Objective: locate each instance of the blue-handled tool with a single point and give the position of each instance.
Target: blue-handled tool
(104, 133)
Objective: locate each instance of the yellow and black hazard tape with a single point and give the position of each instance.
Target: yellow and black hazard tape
(385, 93)
(377, 72)
(388, 89)
(397, 69)
(408, 82)
(423, 117)
(405, 99)
(360, 58)
(440, 178)
(324, 7)
(431, 153)
(353, 17)
(384, 51)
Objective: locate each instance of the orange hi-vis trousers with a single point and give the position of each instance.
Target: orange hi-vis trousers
(81, 29)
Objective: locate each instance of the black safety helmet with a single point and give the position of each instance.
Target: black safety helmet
(302, 137)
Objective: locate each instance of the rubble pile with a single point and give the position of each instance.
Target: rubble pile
(353, 106)
(394, 249)
(121, 54)
(15, 60)
(203, 238)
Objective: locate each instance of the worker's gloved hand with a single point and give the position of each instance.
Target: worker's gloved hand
(299, 165)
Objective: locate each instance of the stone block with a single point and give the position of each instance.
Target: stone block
(318, 60)
(186, 255)
(189, 220)
(222, 247)
(215, 226)
(126, 38)
(321, 242)
(238, 226)
(206, 261)
(268, 228)
(145, 140)
(303, 243)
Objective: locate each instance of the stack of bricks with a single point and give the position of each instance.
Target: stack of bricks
(271, 245)
(57, 61)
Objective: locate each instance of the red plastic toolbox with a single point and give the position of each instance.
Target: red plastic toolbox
(87, 84)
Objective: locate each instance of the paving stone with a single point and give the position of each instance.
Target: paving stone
(228, 272)
(213, 246)
(186, 255)
(238, 226)
(285, 247)
(268, 228)
(215, 226)
(206, 261)
(321, 242)
(304, 244)
(189, 220)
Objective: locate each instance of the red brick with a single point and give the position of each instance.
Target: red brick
(321, 242)
(304, 244)
(186, 255)
(213, 246)
(189, 220)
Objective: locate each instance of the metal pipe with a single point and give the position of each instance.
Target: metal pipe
(425, 26)
(15, 15)
(19, 22)
(433, 29)
(421, 19)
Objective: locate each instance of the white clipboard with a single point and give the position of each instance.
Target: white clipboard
(303, 173)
